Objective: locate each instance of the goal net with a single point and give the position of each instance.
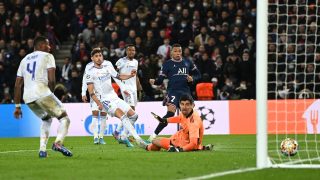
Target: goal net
(293, 78)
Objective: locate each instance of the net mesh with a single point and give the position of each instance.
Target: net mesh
(294, 79)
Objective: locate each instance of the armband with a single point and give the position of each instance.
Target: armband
(18, 105)
(92, 94)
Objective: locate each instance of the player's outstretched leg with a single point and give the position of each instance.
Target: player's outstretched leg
(62, 132)
(127, 124)
(124, 136)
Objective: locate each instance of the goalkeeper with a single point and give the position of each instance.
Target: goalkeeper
(189, 137)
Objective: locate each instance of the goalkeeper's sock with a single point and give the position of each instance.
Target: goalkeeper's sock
(63, 129)
(161, 126)
(103, 123)
(44, 134)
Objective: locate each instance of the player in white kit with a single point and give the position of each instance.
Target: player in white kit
(97, 134)
(129, 91)
(37, 73)
(98, 79)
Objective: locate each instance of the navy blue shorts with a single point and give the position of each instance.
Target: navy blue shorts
(173, 98)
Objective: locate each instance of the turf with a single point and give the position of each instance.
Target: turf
(115, 161)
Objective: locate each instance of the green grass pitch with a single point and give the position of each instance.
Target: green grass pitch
(19, 160)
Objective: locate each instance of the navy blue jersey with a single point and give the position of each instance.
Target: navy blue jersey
(176, 72)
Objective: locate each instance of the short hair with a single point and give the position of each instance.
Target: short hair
(95, 51)
(186, 97)
(39, 40)
(130, 45)
(176, 45)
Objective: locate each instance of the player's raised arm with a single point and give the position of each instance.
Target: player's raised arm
(115, 74)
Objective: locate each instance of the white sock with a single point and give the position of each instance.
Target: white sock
(95, 126)
(63, 129)
(152, 137)
(119, 127)
(125, 133)
(44, 134)
(103, 123)
(127, 124)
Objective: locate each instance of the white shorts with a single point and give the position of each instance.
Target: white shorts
(132, 99)
(47, 107)
(94, 106)
(112, 105)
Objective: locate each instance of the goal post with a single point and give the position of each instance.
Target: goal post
(261, 83)
(288, 82)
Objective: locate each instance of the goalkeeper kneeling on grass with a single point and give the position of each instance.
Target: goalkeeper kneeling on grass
(189, 137)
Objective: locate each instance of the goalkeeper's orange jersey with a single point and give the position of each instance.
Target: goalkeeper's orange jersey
(190, 127)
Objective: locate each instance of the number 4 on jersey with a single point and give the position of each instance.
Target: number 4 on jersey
(32, 71)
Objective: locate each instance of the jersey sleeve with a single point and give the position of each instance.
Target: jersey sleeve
(136, 64)
(113, 72)
(20, 71)
(50, 61)
(175, 119)
(163, 74)
(89, 78)
(119, 64)
(84, 82)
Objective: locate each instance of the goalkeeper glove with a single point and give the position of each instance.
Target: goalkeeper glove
(175, 149)
(160, 119)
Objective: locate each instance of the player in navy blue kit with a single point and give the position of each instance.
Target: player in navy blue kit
(180, 73)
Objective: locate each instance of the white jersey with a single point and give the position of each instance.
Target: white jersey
(125, 66)
(84, 82)
(101, 79)
(34, 70)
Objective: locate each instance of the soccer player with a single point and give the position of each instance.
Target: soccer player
(97, 135)
(129, 91)
(98, 79)
(37, 73)
(180, 73)
(189, 137)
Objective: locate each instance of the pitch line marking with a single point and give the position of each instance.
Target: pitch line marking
(224, 173)
(6, 152)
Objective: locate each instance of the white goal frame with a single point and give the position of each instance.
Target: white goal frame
(262, 160)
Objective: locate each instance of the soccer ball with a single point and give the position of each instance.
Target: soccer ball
(289, 147)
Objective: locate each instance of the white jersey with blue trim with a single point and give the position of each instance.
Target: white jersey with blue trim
(34, 71)
(125, 66)
(101, 80)
(88, 66)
